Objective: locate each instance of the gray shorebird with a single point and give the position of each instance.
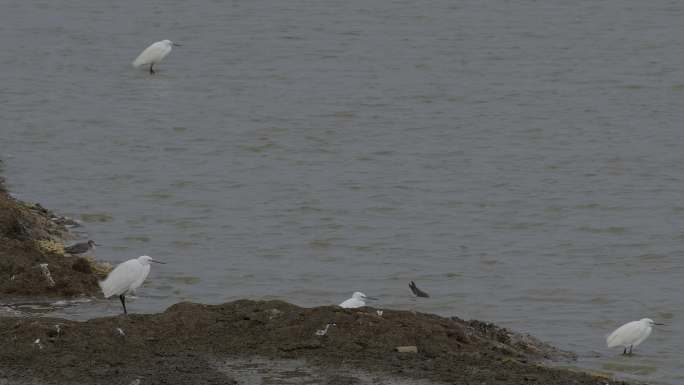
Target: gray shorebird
(81, 247)
(416, 291)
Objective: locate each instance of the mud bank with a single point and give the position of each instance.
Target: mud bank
(243, 342)
(274, 342)
(32, 260)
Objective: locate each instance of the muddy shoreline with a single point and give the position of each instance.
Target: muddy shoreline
(241, 342)
(32, 258)
(199, 344)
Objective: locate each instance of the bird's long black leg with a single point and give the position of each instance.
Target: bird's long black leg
(152, 69)
(123, 302)
(630, 349)
(624, 353)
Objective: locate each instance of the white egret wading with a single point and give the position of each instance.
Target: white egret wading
(154, 54)
(358, 299)
(126, 277)
(631, 334)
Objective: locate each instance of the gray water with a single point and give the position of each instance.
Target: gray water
(520, 160)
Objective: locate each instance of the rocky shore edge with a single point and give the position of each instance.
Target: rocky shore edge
(275, 342)
(32, 258)
(238, 342)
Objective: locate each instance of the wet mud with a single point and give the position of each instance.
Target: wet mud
(242, 342)
(32, 259)
(282, 343)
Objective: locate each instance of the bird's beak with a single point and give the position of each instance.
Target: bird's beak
(96, 244)
(656, 323)
(372, 298)
(152, 260)
(177, 45)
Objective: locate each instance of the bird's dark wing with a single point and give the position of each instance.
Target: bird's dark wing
(413, 288)
(416, 291)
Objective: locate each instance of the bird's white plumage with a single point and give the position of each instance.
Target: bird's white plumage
(154, 53)
(358, 299)
(630, 334)
(126, 277)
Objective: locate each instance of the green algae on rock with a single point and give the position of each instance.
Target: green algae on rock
(32, 260)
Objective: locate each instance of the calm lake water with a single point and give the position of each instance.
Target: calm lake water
(520, 160)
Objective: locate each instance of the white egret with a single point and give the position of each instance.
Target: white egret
(154, 54)
(126, 277)
(631, 334)
(358, 299)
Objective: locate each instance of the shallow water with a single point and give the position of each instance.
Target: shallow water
(519, 160)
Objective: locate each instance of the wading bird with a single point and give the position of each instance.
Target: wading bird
(416, 291)
(126, 277)
(81, 247)
(358, 299)
(154, 54)
(631, 334)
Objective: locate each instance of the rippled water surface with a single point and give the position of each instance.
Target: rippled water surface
(520, 160)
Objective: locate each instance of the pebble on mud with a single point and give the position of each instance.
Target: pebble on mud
(407, 349)
(182, 346)
(274, 313)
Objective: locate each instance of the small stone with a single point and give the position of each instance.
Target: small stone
(56, 332)
(406, 349)
(273, 313)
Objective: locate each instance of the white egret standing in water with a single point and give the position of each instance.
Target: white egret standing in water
(358, 299)
(154, 54)
(631, 334)
(126, 277)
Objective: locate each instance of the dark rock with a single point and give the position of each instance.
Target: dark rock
(23, 228)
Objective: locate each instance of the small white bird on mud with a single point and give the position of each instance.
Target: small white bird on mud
(358, 299)
(154, 54)
(323, 332)
(127, 277)
(631, 334)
